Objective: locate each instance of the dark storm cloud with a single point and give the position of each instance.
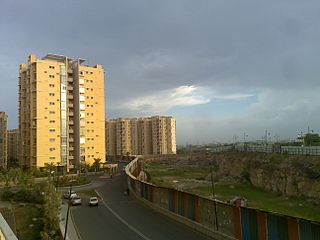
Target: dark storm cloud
(229, 47)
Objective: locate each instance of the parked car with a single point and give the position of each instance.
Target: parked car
(76, 200)
(69, 194)
(93, 201)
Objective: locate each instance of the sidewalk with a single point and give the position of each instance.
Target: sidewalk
(72, 233)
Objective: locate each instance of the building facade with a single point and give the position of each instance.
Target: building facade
(3, 139)
(61, 112)
(152, 135)
(13, 147)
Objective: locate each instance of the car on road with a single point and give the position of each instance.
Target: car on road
(93, 201)
(76, 200)
(69, 194)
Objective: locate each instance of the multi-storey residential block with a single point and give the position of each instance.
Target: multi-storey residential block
(111, 137)
(153, 135)
(13, 147)
(3, 139)
(61, 112)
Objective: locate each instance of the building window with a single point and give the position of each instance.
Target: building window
(51, 67)
(81, 73)
(51, 94)
(52, 121)
(51, 85)
(52, 139)
(52, 158)
(52, 112)
(52, 130)
(52, 149)
(51, 76)
(51, 103)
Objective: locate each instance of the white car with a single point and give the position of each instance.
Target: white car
(76, 200)
(69, 194)
(93, 201)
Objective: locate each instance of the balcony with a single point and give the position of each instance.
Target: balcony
(70, 113)
(71, 148)
(71, 157)
(70, 79)
(70, 88)
(71, 140)
(71, 130)
(70, 96)
(71, 122)
(70, 105)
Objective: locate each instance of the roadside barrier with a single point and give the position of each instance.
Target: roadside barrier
(226, 221)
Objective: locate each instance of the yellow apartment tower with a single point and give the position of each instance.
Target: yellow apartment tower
(13, 147)
(152, 135)
(61, 112)
(3, 139)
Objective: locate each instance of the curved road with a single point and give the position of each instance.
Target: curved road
(123, 217)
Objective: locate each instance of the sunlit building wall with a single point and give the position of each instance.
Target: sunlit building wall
(61, 112)
(152, 135)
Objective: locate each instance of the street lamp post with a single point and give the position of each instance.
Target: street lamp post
(214, 197)
(69, 199)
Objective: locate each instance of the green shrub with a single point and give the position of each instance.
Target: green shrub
(7, 194)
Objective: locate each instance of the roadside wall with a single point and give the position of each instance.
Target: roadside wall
(217, 219)
(5, 231)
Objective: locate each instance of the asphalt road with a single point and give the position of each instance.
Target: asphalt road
(123, 217)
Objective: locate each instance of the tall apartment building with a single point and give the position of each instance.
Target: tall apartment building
(3, 139)
(153, 135)
(13, 147)
(61, 112)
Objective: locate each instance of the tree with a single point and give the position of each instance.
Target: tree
(50, 167)
(96, 164)
(52, 202)
(311, 139)
(84, 167)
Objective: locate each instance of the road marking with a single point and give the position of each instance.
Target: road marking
(121, 219)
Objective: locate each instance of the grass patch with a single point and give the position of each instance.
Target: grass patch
(24, 217)
(90, 193)
(261, 199)
(183, 178)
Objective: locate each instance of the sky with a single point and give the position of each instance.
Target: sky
(221, 68)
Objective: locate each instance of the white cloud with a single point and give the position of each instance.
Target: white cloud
(233, 97)
(162, 101)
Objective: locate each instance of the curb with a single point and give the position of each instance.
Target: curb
(75, 226)
(79, 186)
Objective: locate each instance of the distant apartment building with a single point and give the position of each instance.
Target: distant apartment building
(13, 147)
(152, 135)
(3, 139)
(61, 112)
